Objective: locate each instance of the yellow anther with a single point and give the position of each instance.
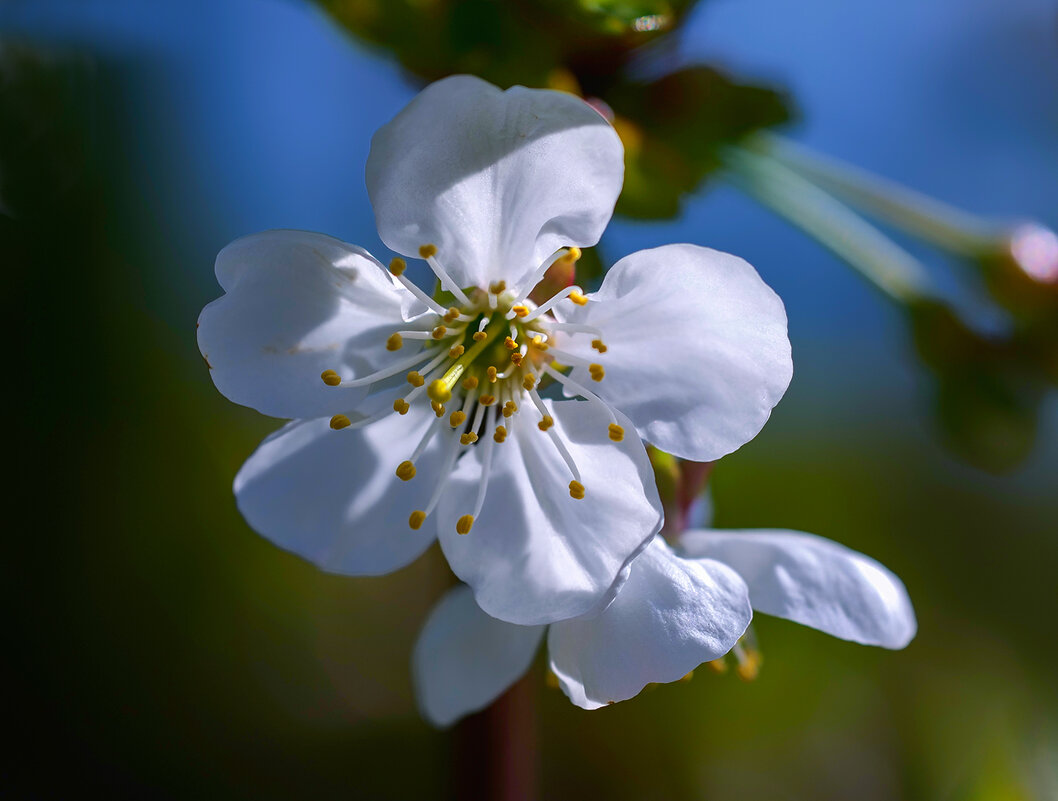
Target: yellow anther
(748, 668)
(578, 298)
(438, 408)
(529, 381)
(598, 345)
(397, 266)
(492, 374)
(438, 391)
(470, 382)
(487, 400)
(428, 251)
(405, 471)
(520, 310)
(545, 422)
(395, 342)
(400, 406)
(464, 524)
(415, 379)
(451, 314)
(468, 438)
(576, 490)
(616, 432)
(340, 421)
(516, 359)
(717, 665)
(497, 287)
(501, 434)
(597, 373)
(439, 332)
(539, 341)
(479, 335)
(571, 255)
(509, 408)
(456, 352)
(416, 519)
(457, 418)
(510, 343)
(331, 378)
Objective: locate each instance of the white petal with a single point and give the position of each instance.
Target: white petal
(296, 304)
(496, 180)
(671, 616)
(464, 659)
(697, 348)
(332, 496)
(535, 554)
(814, 581)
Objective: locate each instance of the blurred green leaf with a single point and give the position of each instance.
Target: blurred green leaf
(674, 127)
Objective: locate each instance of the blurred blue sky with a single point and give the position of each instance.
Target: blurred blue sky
(251, 114)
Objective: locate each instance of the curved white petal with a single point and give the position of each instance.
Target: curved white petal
(496, 180)
(333, 498)
(672, 615)
(536, 555)
(814, 581)
(697, 348)
(296, 304)
(464, 659)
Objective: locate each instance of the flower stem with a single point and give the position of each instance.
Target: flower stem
(496, 749)
(913, 212)
(877, 258)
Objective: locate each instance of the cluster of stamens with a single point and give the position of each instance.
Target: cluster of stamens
(482, 362)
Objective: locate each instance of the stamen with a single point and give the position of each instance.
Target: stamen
(587, 394)
(567, 254)
(416, 519)
(397, 367)
(529, 382)
(555, 439)
(429, 252)
(456, 419)
(511, 343)
(479, 336)
(451, 452)
(397, 267)
(578, 298)
(492, 374)
(415, 379)
(558, 297)
(401, 406)
(412, 334)
(565, 357)
(468, 438)
(576, 490)
(340, 421)
(520, 310)
(464, 524)
(426, 437)
(597, 372)
(500, 434)
(616, 432)
(470, 382)
(331, 378)
(487, 400)
(487, 447)
(441, 389)
(546, 422)
(456, 352)
(498, 287)
(438, 408)
(516, 359)
(598, 345)
(395, 342)
(509, 408)
(405, 471)
(439, 332)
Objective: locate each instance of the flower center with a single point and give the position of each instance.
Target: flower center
(480, 363)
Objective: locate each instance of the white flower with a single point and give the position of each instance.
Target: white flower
(673, 613)
(428, 420)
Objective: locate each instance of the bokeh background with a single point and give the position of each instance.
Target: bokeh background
(159, 648)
